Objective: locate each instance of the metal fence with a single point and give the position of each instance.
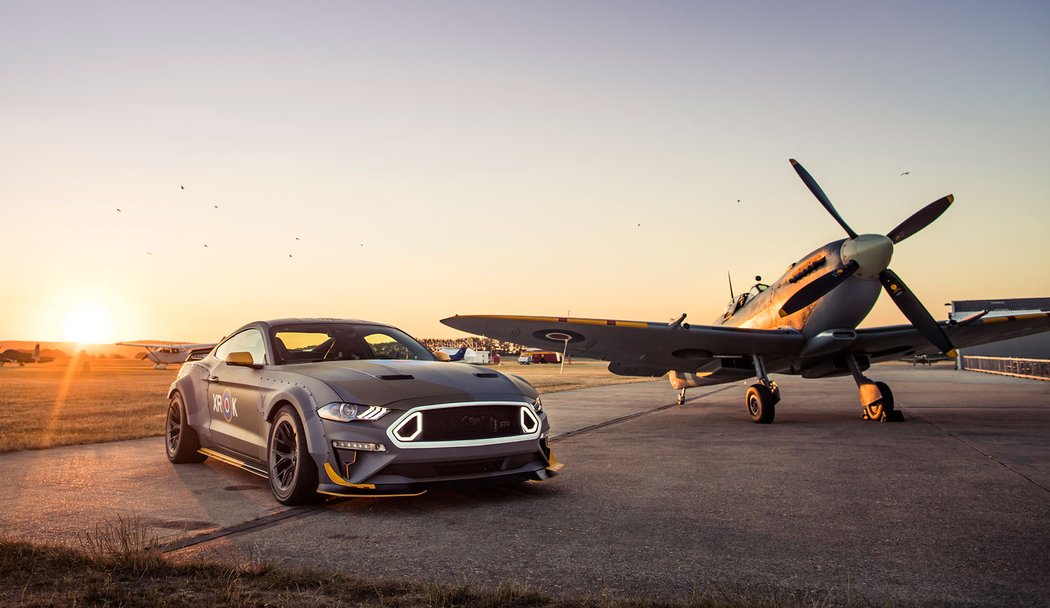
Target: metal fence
(1036, 369)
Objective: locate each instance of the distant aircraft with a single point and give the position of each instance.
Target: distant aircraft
(21, 358)
(805, 324)
(164, 353)
(455, 356)
(925, 359)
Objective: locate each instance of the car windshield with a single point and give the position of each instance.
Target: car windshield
(344, 342)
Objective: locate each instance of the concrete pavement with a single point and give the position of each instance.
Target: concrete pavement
(952, 505)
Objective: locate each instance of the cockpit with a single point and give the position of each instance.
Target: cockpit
(742, 300)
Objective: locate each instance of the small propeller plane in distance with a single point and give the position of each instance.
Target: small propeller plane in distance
(164, 353)
(804, 323)
(21, 358)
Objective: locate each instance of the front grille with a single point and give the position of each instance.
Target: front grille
(474, 422)
(430, 470)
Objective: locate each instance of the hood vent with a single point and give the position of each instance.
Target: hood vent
(396, 377)
(487, 375)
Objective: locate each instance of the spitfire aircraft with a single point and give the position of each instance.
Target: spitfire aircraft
(804, 323)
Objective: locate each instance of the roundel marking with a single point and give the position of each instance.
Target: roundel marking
(227, 407)
(559, 336)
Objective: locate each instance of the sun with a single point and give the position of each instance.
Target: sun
(87, 323)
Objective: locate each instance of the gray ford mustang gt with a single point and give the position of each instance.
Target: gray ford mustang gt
(353, 408)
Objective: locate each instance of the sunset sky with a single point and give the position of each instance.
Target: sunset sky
(436, 158)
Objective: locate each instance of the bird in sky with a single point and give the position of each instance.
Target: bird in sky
(118, 210)
(181, 187)
(205, 244)
(216, 206)
(905, 172)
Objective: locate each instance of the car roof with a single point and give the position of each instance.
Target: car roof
(316, 321)
(265, 326)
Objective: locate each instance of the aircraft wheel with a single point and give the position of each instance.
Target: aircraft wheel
(180, 440)
(292, 471)
(760, 404)
(882, 409)
(892, 415)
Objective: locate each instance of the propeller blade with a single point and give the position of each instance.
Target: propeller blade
(920, 219)
(914, 310)
(823, 198)
(818, 288)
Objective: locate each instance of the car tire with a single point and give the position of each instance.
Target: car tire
(180, 440)
(292, 471)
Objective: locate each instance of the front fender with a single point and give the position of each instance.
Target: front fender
(303, 401)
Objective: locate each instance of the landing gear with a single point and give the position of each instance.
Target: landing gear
(762, 397)
(876, 398)
(681, 396)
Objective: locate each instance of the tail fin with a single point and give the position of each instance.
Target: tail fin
(36, 354)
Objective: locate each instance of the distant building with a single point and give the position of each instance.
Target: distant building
(1028, 347)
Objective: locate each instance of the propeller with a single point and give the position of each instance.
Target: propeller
(871, 254)
(912, 308)
(814, 187)
(920, 219)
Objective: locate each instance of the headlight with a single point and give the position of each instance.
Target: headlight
(537, 404)
(347, 412)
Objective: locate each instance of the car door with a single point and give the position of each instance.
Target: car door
(235, 395)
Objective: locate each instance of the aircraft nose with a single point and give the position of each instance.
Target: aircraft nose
(872, 252)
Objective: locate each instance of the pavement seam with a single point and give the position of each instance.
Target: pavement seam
(631, 416)
(266, 521)
(982, 452)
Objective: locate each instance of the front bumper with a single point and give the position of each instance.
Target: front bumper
(403, 469)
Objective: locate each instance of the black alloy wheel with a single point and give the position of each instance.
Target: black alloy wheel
(293, 474)
(180, 440)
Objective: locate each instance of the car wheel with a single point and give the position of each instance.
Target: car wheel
(292, 472)
(180, 440)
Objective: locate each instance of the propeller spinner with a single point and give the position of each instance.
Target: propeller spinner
(868, 256)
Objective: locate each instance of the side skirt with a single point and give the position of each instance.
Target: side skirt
(234, 461)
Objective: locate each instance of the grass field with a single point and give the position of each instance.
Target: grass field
(54, 404)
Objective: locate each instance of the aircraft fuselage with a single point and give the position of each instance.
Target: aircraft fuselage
(845, 307)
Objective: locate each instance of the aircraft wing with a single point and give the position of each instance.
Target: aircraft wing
(637, 347)
(889, 342)
(172, 345)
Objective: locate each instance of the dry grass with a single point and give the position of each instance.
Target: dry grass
(119, 565)
(53, 404)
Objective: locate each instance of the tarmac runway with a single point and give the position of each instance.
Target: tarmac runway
(656, 500)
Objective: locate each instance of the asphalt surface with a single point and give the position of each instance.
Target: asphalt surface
(951, 506)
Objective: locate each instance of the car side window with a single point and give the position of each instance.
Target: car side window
(249, 341)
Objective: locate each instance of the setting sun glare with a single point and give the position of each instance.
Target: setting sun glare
(87, 323)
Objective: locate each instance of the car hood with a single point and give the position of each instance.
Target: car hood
(411, 383)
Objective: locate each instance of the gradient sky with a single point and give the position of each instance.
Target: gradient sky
(497, 157)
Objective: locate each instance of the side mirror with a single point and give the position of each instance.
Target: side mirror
(241, 359)
(441, 355)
